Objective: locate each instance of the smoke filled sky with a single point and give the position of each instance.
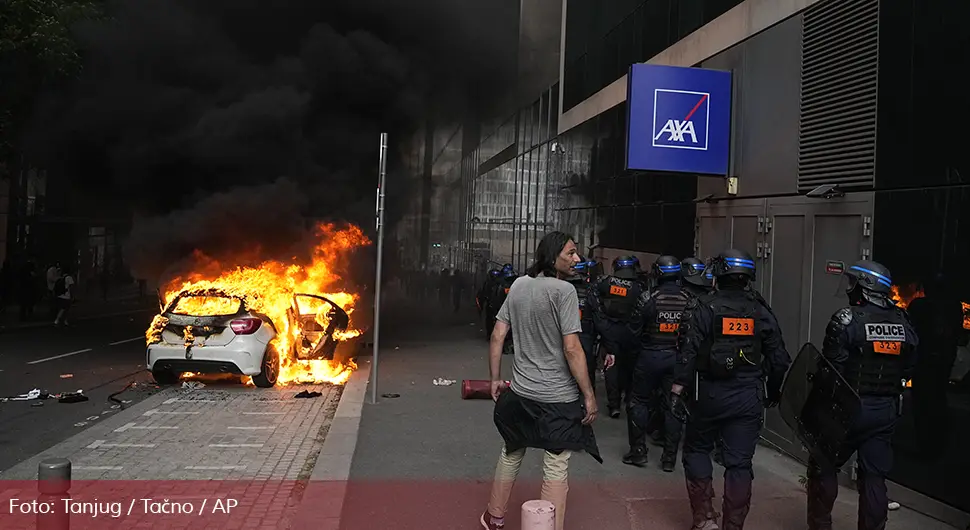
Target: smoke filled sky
(181, 99)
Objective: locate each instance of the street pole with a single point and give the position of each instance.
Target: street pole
(380, 262)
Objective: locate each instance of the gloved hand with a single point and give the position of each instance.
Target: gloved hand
(678, 407)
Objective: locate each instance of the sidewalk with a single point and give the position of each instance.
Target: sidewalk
(121, 300)
(426, 459)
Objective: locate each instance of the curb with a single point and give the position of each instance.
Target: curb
(327, 486)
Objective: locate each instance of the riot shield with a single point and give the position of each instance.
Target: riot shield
(819, 406)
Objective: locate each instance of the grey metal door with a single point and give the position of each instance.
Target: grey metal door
(803, 237)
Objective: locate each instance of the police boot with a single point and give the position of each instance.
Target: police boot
(638, 447)
(701, 493)
(668, 461)
(637, 456)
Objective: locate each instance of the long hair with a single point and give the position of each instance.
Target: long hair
(546, 253)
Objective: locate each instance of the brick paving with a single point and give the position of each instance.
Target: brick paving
(262, 440)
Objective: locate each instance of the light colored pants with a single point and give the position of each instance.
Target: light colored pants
(555, 472)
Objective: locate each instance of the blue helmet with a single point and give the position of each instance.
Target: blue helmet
(626, 262)
(667, 267)
(506, 268)
(734, 261)
(494, 272)
(696, 273)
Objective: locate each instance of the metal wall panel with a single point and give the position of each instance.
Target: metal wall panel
(837, 136)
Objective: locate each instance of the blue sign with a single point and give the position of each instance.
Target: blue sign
(679, 119)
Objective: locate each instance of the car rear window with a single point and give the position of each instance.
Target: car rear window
(206, 306)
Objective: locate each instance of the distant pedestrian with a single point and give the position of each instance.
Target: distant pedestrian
(64, 291)
(53, 273)
(542, 409)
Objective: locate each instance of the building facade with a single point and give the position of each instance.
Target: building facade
(844, 146)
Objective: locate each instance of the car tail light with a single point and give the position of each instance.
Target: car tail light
(245, 326)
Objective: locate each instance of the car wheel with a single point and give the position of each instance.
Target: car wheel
(165, 377)
(271, 369)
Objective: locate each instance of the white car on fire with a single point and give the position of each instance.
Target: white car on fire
(211, 331)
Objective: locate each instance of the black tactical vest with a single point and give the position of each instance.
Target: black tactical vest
(875, 365)
(734, 345)
(581, 285)
(501, 291)
(669, 302)
(619, 296)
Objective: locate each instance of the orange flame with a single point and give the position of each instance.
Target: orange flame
(903, 296)
(268, 289)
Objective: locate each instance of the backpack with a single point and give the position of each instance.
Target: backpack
(60, 287)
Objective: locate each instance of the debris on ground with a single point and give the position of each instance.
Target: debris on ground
(73, 397)
(893, 505)
(193, 385)
(390, 396)
(37, 404)
(67, 376)
(307, 394)
(29, 396)
(444, 382)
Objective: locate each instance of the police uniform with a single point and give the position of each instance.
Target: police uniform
(481, 298)
(612, 301)
(496, 296)
(873, 345)
(587, 337)
(731, 348)
(656, 320)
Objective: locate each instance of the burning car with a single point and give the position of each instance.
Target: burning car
(276, 322)
(213, 331)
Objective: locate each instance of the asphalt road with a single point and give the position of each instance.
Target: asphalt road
(97, 355)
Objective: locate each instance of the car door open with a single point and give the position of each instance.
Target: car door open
(317, 319)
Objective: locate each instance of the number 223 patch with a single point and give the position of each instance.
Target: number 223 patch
(737, 326)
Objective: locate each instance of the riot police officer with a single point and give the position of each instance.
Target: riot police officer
(587, 337)
(873, 345)
(731, 348)
(481, 298)
(697, 280)
(496, 296)
(612, 301)
(656, 320)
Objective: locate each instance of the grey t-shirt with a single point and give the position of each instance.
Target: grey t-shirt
(541, 311)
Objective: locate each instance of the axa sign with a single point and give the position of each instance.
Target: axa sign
(679, 119)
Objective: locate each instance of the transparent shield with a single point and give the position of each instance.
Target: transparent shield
(819, 406)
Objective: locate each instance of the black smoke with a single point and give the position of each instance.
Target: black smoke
(204, 116)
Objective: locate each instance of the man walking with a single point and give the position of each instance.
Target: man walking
(542, 409)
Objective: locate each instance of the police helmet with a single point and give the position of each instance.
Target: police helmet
(872, 277)
(666, 268)
(693, 271)
(495, 272)
(581, 266)
(734, 261)
(507, 268)
(626, 267)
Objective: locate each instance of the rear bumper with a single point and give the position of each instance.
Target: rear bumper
(243, 359)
